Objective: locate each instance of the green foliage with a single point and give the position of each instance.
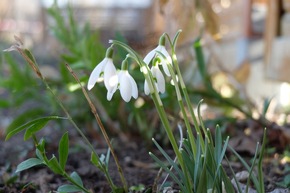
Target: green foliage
(57, 165)
(17, 88)
(68, 188)
(29, 163)
(204, 169)
(31, 127)
(285, 183)
(258, 180)
(63, 150)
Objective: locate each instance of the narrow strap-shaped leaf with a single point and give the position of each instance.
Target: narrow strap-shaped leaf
(260, 164)
(37, 121)
(29, 163)
(188, 163)
(171, 161)
(218, 143)
(202, 183)
(253, 177)
(227, 182)
(239, 190)
(63, 148)
(172, 175)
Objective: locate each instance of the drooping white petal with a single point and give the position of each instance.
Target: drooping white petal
(125, 86)
(166, 54)
(164, 62)
(146, 88)
(134, 87)
(96, 73)
(110, 95)
(110, 76)
(160, 81)
(150, 55)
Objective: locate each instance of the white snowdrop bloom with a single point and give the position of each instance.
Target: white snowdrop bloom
(158, 78)
(160, 48)
(105, 71)
(126, 84)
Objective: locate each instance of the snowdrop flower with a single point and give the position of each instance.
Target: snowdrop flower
(158, 78)
(161, 48)
(106, 71)
(126, 84)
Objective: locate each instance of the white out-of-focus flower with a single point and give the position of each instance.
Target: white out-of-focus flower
(161, 48)
(126, 84)
(106, 71)
(158, 78)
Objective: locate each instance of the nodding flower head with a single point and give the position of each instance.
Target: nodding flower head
(126, 84)
(158, 77)
(160, 48)
(105, 71)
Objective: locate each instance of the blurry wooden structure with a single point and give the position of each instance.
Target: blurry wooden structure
(277, 40)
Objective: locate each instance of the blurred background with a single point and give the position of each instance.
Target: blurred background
(245, 42)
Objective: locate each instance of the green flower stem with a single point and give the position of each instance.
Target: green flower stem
(181, 105)
(188, 103)
(158, 104)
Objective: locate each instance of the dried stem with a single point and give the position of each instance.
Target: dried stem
(97, 117)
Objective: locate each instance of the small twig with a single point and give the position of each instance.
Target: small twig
(97, 117)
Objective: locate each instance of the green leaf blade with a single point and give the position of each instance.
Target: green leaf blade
(29, 163)
(95, 159)
(63, 149)
(54, 165)
(77, 178)
(68, 188)
(32, 129)
(33, 126)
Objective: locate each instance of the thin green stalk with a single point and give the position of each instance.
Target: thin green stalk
(158, 104)
(181, 105)
(185, 93)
